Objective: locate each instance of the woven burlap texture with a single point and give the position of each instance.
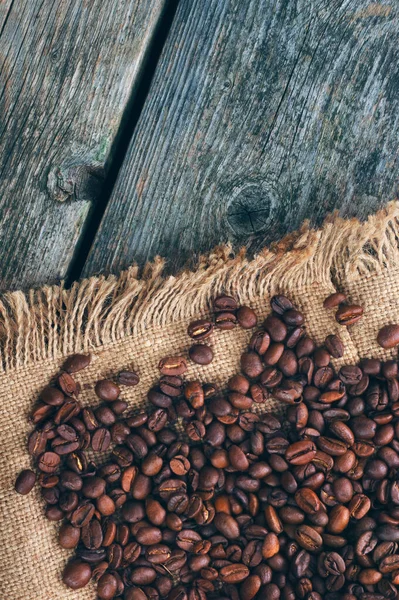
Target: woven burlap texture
(132, 322)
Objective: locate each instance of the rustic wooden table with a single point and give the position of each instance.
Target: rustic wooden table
(144, 127)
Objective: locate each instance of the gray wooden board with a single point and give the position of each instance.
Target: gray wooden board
(67, 71)
(261, 114)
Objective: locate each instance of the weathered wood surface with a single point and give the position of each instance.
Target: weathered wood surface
(68, 69)
(261, 114)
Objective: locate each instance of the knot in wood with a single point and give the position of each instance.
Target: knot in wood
(249, 210)
(75, 182)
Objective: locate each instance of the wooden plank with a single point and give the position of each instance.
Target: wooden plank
(261, 114)
(68, 70)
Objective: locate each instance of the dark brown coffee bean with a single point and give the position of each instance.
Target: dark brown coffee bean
(334, 345)
(308, 538)
(201, 354)
(359, 506)
(338, 519)
(300, 453)
(172, 365)
(107, 390)
(101, 440)
(200, 330)
(276, 328)
(107, 586)
(66, 412)
(25, 482)
(259, 342)
(307, 500)
(246, 317)
(226, 321)
(77, 574)
(349, 314)
(334, 300)
(49, 462)
(293, 318)
(234, 573)
(76, 362)
(105, 416)
(82, 515)
(52, 396)
(223, 303)
(388, 336)
(147, 536)
(128, 378)
(92, 535)
(68, 536)
(251, 364)
(37, 443)
(227, 525)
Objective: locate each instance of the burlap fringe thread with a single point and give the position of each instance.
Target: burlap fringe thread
(53, 321)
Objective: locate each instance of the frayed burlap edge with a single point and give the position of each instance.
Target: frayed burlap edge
(53, 321)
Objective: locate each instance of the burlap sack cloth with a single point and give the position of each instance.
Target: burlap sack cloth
(132, 322)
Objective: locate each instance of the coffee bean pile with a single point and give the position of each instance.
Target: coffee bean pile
(245, 506)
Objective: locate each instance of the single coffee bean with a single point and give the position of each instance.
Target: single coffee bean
(251, 364)
(128, 378)
(76, 362)
(334, 346)
(349, 314)
(101, 440)
(246, 317)
(52, 396)
(276, 328)
(68, 536)
(107, 586)
(334, 300)
(77, 574)
(201, 354)
(25, 482)
(223, 303)
(300, 453)
(49, 462)
(200, 330)
(107, 390)
(308, 538)
(234, 573)
(172, 365)
(388, 336)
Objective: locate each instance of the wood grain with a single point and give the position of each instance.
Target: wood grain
(261, 114)
(68, 69)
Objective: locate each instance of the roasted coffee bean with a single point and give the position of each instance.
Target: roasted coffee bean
(308, 538)
(77, 574)
(200, 330)
(25, 482)
(76, 362)
(69, 536)
(101, 440)
(334, 300)
(246, 317)
(128, 378)
(201, 354)
(349, 314)
(92, 535)
(234, 573)
(172, 365)
(52, 396)
(68, 385)
(227, 525)
(388, 336)
(107, 390)
(334, 345)
(276, 328)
